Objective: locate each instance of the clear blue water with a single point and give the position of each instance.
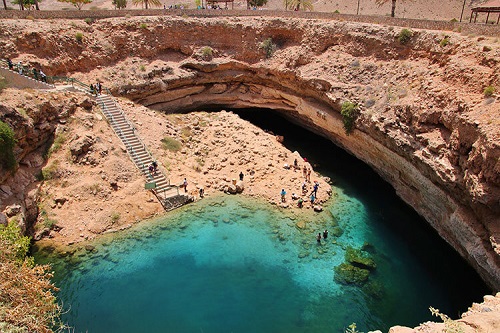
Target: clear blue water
(230, 264)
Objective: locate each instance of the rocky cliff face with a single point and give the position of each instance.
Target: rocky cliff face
(35, 117)
(425, 124)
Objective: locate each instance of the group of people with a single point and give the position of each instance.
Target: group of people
(38, 74)
(324, 236)
(96, 89)
(153, 167)
(307, 178)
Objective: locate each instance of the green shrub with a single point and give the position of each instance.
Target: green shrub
(7, 142)
(28, 302)
(11, 235)
(143, 26)
(489, 91)
(405, 36)
(51, 171)
(57, 144)
(451, 326)
(79, 37)
(350, 113)
(89, 20)
(269, 47)
(352, 329)
(115, 217)
(171, 144)
(336, 11)
(207, 53)
(142, 68)
(453, 20)
(445, 41)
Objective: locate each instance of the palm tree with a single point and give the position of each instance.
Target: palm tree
(298, 4)
(382, 2)
(146, 3)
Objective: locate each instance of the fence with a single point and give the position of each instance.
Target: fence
(464, 27)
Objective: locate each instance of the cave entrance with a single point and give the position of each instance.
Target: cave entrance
(393, 223)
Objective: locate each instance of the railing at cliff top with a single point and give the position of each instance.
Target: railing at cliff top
(28, 71)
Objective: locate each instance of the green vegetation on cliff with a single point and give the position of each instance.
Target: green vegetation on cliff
(27, 303)
(350, 113)
(7, 142)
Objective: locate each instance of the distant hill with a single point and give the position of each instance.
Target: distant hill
(417, 9)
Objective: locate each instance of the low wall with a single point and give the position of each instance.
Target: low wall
(465, 28)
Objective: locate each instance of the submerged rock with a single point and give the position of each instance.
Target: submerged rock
(359, 259)
(348, 274)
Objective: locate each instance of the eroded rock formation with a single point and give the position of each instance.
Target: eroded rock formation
(425, 125)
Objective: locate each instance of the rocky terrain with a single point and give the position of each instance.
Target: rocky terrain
(91, 185)
(425, 125)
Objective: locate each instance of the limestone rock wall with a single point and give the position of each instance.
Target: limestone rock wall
(425, 125)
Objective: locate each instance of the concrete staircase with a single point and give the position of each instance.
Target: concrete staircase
(166, 193)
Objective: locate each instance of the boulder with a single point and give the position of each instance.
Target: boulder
(12, 210)
(60, 200)
(81, 146)
(240, 186)
(318, 208)
(6, 189)
(232, 189)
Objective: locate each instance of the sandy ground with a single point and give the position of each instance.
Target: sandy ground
(416, 9)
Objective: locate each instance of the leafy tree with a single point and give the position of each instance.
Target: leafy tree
(147, 3)
(300, 4)
(7, 142)
(120, 4)
(256, 3)
(27, 4)
(77, 3)
(393, 8)
(350, 113)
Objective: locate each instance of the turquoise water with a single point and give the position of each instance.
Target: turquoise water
(230, 264)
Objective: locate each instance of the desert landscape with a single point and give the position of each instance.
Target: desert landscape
(427, 124)
(418, 9)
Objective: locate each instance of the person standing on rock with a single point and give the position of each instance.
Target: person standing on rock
(304, 172)
(325, 234)
(315, 188)
(11, 65)
(43, 77)
(283, 195)
(304, 188)
(318, 238)
(185, 185)
(241, 176)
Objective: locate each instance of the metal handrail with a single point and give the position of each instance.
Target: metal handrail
(27, 71)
